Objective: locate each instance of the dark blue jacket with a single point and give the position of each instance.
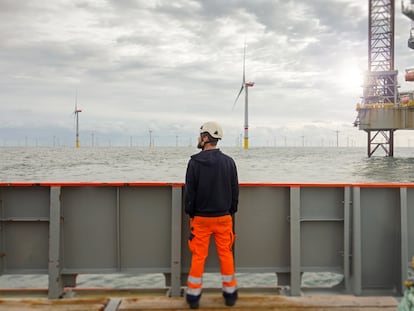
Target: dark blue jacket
(211, 184)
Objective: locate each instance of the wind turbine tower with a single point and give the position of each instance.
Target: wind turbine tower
(76, 112)
(245, 85)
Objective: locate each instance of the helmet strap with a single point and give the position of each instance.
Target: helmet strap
(201, 144)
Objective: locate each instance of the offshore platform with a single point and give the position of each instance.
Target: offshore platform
(383, 109)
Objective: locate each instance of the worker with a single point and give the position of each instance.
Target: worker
(211, 199)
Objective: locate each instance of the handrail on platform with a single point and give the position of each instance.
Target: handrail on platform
(363, 231)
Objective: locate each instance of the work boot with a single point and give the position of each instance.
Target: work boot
(230, 299)
(192, 301)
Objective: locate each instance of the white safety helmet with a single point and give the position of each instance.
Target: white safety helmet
(213, 128)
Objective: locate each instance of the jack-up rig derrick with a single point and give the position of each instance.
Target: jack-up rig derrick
(379, 112)
(383, 109)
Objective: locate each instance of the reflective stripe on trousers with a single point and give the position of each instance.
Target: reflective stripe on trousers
(195, 287)
(201, 230)
(229, 283)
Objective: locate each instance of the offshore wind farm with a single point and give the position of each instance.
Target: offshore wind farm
(306, 63)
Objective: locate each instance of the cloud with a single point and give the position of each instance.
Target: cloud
(170, 66)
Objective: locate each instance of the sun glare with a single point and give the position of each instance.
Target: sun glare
(349, 76)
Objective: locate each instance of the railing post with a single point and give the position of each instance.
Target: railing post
(347, 238)
(176, 211)
(2, 244)
(295, 269)
(55, 268)
(357, 242)
(404, 237)
(118, 229)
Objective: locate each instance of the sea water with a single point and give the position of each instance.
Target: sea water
(168, 164)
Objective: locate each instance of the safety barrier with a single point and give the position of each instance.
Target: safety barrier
(363, 231)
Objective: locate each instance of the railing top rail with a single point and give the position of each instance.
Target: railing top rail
(384, 185)
(180, 185)
(273, 184)
(91, 184)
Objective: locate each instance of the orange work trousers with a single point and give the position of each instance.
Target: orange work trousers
(222, 230)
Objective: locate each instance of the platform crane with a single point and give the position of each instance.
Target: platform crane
(407, 9)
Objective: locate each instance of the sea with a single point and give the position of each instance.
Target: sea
(168, 164)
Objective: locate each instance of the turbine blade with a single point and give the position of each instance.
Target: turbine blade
(244, 74)
(244, 62)
(76, 101)
(238, 95)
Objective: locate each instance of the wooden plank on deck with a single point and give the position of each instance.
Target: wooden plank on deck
(53, 305)
(274, 303)
(209, 302)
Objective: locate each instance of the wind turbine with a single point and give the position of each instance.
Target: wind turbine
(245, 85)
(76, 113)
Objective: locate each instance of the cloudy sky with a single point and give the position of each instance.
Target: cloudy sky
(136, 66)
